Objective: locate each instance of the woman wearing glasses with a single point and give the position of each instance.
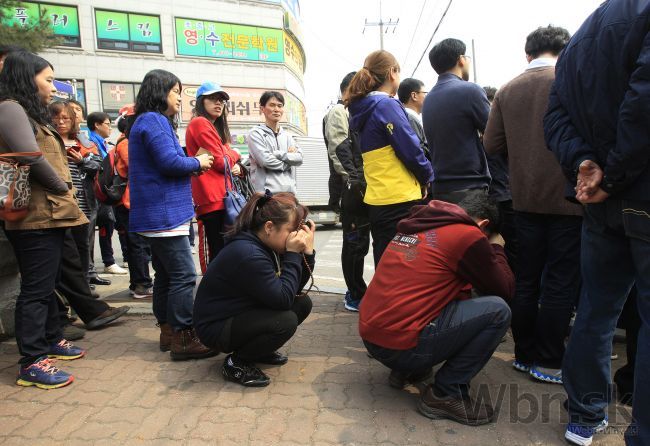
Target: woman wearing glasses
(208, 130)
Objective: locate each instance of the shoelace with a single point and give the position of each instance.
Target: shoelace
(64, 343)
(46, 365)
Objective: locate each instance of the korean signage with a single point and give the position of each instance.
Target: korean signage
(293, 55)
(128, 31)
(243, 106)
(64, 19)
(227, 41)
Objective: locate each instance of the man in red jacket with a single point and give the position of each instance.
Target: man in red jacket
(419, 309)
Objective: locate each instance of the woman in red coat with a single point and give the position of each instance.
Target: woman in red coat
(208, 130)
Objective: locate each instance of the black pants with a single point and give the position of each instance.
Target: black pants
(73, 286)
(214, 229)
(459, 195)
(37, 316)
(631, 322)
(508, 231)
(80, 234)
(548, 282)
(107, 226)
(138, 248)
(383, 224)
(356, 243)
(257, 333)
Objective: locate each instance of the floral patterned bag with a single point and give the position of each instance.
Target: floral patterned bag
(15, 190)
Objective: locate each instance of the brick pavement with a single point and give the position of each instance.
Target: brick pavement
(330, 392)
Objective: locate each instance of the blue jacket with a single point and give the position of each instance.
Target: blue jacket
(395, 166)
(99, 142)
(453, 114)
(159, 176)
(599, 105)
(246, 275)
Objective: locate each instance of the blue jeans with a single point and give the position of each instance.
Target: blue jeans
(464, 335)
(615, 254)
(173, 285)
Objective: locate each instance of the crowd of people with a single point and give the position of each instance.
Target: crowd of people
(488, 210)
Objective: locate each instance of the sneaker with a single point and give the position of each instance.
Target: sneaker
(44, 375)
(462, 410)
(193, 249)
(399, 380)
(107, 317)
(553, 376)
(583, 435)
(520, 366)
(115, 269)
(243, 373)
(142, 292)
(65, 350)
(351, 304)
(275, 358)
(73, 333)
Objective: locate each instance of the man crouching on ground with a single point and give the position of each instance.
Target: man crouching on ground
(419, 309)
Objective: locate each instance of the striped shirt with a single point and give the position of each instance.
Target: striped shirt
(78, 184)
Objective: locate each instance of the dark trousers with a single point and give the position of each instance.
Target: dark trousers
(80, 234)
(92, 223)
(548, 283)
(38, 253)
(508, 230)
(356, 243)
(383, 224)
(107, 226)
(459, 195)
(256, 333)
(631, 322)
(73, 286)
(615, 255)
(214, 229)
(173, 285)
(138, 250)
(464, 336)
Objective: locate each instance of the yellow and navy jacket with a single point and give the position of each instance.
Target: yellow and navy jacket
(394, 165)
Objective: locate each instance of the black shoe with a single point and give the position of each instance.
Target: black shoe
(244, 373)
(96, 280)
(275, 358)
(107, 317)
(72, 332)
(463, 410)
(399, 380)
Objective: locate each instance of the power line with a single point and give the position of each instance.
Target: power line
(431, 39)
(381, 25)
(408, 51)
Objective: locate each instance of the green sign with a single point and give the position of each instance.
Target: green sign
(227, 41)
(64, 19)
(123, 26)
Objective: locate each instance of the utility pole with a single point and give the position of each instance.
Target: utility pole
(381, 24)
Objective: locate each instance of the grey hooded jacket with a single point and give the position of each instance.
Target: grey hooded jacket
(272, 165)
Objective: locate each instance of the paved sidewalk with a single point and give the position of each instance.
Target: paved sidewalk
(330, 392)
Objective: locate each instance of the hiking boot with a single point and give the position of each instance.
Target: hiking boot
(142, 292)
(186, 345)
(72, 332)
(43, 374)
(65, 350)
(107, 317)
(166, 333)
(463, 410)
(399, 380)
(275, 358)
(545, 374)
(244, 373)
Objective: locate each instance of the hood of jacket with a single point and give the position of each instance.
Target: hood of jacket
(433, 215)
(362, 109)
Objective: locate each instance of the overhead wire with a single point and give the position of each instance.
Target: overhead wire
(431, 39)
(415, 31)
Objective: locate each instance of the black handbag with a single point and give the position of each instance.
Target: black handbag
(234, 201)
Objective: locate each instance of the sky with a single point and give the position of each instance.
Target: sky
(335, 41)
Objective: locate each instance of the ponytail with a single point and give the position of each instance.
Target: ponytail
(374, 73)
(280, 208)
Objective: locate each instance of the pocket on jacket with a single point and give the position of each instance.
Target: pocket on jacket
(63, 207)
(636, 219)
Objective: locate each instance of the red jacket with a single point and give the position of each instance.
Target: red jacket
(438, 255)
(209, 188)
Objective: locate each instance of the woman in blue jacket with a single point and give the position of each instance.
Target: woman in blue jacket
(161, 209)
(396, 170)
(248, 302)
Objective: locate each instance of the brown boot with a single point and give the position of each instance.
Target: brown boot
(462, 410)
(186, 345)
(166, 333)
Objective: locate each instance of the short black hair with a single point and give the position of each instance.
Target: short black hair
(490, 92)
(480, 206)
(346, 81)
(267, 95)
(154, 90)
(6, 49)
(549, 39)
(444, 55)
(408, 86)
(96, 118)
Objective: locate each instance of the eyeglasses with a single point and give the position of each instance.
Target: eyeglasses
(466, 56)
(216, 100)
(107, 123)
(62, 118)
(423, 92)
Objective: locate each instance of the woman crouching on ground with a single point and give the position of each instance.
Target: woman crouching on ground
(248, 302)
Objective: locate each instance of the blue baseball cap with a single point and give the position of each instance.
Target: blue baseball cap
(208, 88)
